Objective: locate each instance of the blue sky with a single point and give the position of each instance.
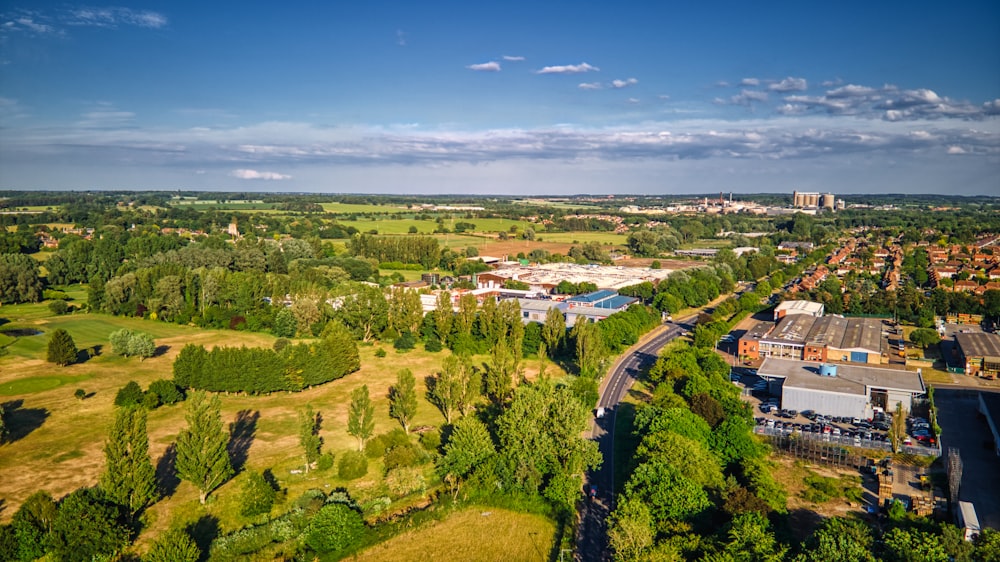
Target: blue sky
(506, 98)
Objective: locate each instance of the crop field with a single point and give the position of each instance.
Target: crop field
(426, 226)
(57, 440)
(352, 208)
(475, 534)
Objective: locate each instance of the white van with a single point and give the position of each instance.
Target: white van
(600, 413)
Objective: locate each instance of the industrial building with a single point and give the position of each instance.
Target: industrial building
(589, 307)
(979, 352)
(543, 278)
(840, 390)
(813, 199)
(810, 338)
(788, 308)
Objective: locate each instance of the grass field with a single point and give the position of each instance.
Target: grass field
(475, 534)
(351, 208)
(57, 440)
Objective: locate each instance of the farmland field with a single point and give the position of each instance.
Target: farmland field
(473, 534)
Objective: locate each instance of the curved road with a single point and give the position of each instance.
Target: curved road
(592, 539)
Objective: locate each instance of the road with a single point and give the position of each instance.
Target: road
(592, 540)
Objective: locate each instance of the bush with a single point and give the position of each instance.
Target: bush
(256, 495)
(168, 392)
(58, 307)
(405, 342)
(402, 456)
(80, 394)
(380, 352)
(53, 295)
(151, 400)
(285, 324)
(335, 528)
(129, 395)
(280, 344)
(431, 440)
(433, 345)
(325, 461)
(352, 464)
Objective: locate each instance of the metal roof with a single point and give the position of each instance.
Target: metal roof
(850, 379)
(792, 329)
(862, 333)
(616, 302)
(759, 331)
(828, 330)
(806, 307)
(592, 297)
(979, 344)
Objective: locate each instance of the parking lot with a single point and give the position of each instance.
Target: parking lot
(771, 419)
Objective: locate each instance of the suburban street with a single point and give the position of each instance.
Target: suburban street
(593, 541)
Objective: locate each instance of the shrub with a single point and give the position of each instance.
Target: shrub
(433, 345)
(285, 324)
(431, 440)
(168, 392)
(404, 481)
(280, 344)
(401, 456)
(256, 495)
(405, 342)
(80, 394)
(58, 307)
(325, 461)
(335, 528)
(129, 395)
(151, 400)
(352, 464)
(380, 352)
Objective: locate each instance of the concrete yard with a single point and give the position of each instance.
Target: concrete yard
(963, 427)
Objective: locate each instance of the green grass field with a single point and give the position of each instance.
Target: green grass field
(584, 237)
(424, 226)
(475, 534)
(58, 439)
(351, 208)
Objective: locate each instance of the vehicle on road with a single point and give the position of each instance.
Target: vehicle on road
(600, 413)
(592, 492)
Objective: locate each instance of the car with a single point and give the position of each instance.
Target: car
(600, 413)
(881, 426)
(836, 431)
(855, 421)
(792, 413)
(907, 441)
(592, 492)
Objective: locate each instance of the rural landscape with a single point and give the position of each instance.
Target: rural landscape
(247, 376)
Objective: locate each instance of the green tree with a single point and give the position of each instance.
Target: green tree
(142, 345)
(32, 524)
(19, 279)
(62, 350)
(3, 425)
(988, 545)
(897, 431)
(256, 495)
(751, 540)
(403, 399)
(913, 545)
(470, 446)
(285, 324)
(87, 528)
(309, 439)
(202, 457)
(500, 372)
(840, 540)
(590, 348)
(444, 390)
(630, 530)
(129, 395)
(553, 330)
(176, 545)
(925, 337)
(335, 528)
(129, 478)
(361, 416)
(668, 493)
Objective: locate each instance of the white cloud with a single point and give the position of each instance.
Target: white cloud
(746, 97)
(115, 16)
(632, 101)
(512, 58)
(401, 37)
(956, 150)
(568, 69)
(590, 86)
(750, 82)
(624, 83)
(789, 85)
(491, 66)
(30, 24)
(245, 174)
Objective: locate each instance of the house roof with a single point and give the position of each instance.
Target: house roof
(850, 379)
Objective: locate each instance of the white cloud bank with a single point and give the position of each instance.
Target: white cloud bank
(245, 174)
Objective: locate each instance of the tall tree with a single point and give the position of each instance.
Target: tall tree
(129, 478)
(446, 388)
(62, 350)
(309, 422)
(444, 316)
(554, 329)
(471, 387)
(403, 399)
(469, 447)
(590, 348)
(87, 528)
(19, 279)
(361, 416)
(202, 457)
(500, 372)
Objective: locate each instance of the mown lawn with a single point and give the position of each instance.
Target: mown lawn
(475, 534)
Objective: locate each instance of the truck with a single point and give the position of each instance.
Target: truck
(968, 521)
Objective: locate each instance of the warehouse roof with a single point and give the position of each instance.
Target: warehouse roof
(759, 331)
(792, 329)
(592, 297)
(850, 379)
(979, 344)
(803, 307)
(863, 333)
(828, 330)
